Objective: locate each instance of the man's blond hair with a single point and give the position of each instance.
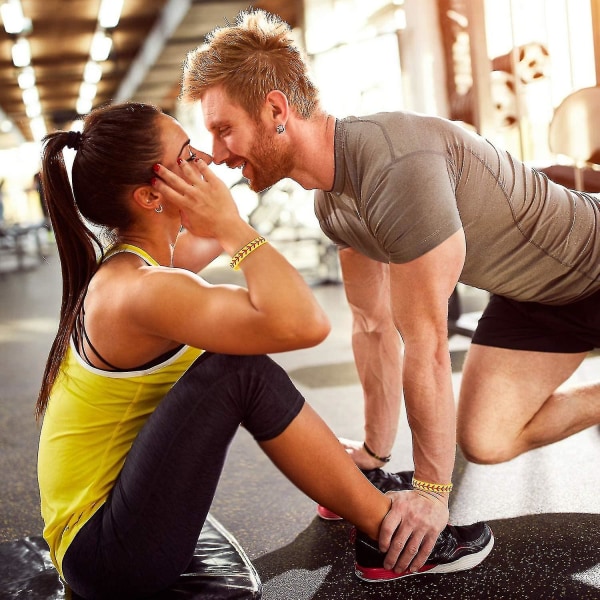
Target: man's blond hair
(249, 59)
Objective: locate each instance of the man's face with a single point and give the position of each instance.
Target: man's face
(240, 141)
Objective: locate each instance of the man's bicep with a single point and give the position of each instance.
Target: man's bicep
(420, 289)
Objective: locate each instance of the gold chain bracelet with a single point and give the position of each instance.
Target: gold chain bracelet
(424, 486)
(241, 254)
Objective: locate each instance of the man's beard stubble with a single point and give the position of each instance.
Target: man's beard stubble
(270, 163)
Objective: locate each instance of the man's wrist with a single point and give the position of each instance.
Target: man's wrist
(434, 496)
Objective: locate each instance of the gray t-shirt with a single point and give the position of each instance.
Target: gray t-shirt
(405, 182)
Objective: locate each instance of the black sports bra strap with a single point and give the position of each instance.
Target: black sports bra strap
(80, 326)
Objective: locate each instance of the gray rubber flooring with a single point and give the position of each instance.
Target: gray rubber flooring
(544, 507)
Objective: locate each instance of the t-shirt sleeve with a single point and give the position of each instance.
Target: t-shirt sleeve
(324, 219)
(413, 207)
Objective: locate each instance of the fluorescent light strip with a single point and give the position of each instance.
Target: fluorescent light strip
(110, 13)
(92, 72)
(12, 17)
(31, 96)
(26, 78)
(101, 45)
(21, 53)
(38, 128)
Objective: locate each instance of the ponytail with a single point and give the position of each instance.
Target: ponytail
(78, 250)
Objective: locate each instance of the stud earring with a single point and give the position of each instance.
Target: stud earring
(280, 129)
(159, 208)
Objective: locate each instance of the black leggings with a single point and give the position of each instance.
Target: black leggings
(144, 536)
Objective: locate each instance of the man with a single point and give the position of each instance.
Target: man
(416, 204)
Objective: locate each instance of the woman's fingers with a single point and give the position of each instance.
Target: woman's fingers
(166, 181)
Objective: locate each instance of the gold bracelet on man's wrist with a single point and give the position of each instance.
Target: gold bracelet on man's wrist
(438, 488)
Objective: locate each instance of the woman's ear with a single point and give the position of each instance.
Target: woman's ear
(146, 197)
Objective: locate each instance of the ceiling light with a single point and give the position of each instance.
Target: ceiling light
(31, 96)
(38, 128)
(21, 53)
(33, 110)
(26, 78)
(87, 90)
(12, 17)
(92, 72)
(101, 45)
(84, 106)
(110, 13)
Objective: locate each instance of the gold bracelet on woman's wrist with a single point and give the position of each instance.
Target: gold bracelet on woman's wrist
(241, 254)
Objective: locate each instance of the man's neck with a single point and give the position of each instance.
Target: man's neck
(314, 167)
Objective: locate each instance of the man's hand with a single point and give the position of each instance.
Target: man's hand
(359, 455)
(411, 528)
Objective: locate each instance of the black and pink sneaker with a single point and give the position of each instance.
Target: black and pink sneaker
(458, 547)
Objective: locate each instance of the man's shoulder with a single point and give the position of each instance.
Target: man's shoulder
(402, 130)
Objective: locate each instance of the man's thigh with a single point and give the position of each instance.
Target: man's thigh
(502, 389)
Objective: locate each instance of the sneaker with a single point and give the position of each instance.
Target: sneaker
(382, 480)
(389, 482)
(327, 514)
(457, 548)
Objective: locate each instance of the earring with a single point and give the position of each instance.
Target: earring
(159, 209)
(280, 129)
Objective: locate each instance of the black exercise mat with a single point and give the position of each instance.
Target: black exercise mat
(220, 570)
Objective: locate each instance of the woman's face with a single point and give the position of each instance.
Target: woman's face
(176, 144)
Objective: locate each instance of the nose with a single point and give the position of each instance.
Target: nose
(207, 158)
(219, 151)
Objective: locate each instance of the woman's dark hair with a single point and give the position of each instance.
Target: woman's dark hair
(115, 153)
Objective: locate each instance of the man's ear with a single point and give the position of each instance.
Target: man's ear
(277, 107)
(146, 197)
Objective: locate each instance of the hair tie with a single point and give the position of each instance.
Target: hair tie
(74, 139)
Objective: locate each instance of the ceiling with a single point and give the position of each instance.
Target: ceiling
(149, 45)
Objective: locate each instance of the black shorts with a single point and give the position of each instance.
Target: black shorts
(570, 328)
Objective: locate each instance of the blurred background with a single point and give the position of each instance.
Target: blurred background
(502, 67)
(523, 73)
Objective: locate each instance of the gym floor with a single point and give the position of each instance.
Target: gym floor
(544, 506)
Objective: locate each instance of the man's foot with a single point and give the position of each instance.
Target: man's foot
(457, 548)
(382, 480)
(359, 455)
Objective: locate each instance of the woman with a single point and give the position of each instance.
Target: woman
(153, 369)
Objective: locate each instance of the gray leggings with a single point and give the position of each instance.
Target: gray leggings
(144, 536)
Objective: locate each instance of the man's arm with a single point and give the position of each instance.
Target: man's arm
(419, 296)
(377, 353)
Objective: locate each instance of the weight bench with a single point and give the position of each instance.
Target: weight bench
(14, 240)
(220, 570)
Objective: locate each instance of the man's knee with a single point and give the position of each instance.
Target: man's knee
(480, 447)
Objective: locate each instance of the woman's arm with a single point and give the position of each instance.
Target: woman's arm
(195, 253)
(277, 311)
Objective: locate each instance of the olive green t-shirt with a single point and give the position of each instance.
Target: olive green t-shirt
(406, 182)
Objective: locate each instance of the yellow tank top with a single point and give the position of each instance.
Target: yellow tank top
(91, 421)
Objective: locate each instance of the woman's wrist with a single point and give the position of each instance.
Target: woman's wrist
(236, 237)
